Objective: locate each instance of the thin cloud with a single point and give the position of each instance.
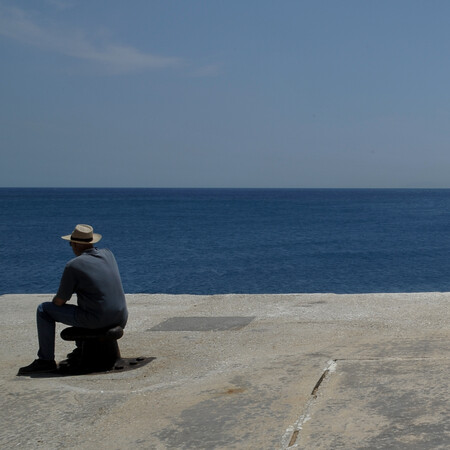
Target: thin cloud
(16, 24)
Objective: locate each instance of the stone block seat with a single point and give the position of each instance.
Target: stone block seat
(99, 347)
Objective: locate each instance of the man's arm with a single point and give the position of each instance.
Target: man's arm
(66, 286)
(58, 301)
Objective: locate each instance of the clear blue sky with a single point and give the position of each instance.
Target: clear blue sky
(225, 93)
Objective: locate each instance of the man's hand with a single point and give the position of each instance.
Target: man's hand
(58, 301)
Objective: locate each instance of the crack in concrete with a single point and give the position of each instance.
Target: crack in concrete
(290, 439)
(292, 434)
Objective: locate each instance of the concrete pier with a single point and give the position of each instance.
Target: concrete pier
(304, 371)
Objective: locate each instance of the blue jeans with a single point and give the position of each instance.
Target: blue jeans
(46, 316)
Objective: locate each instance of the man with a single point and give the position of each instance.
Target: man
(94, 276)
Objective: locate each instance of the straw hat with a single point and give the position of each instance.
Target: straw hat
(83, 234)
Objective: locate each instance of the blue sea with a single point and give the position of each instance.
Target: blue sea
(211, 241)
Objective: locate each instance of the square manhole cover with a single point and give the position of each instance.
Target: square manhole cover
(203, 324)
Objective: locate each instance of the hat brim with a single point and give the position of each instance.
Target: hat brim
(95, 238)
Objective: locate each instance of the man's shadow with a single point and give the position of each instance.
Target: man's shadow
(74, 368)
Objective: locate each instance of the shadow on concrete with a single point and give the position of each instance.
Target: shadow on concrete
(65, 368)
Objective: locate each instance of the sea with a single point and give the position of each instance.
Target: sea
(219, 241)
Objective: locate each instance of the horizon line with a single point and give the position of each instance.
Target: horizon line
(224, 187)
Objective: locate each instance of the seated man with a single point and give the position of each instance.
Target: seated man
(94, 276)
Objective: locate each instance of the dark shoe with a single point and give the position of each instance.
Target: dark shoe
(38, 366)
(75, 354)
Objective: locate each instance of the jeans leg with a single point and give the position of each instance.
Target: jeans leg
(46, 316)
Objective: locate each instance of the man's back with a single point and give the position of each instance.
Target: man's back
(94, 277)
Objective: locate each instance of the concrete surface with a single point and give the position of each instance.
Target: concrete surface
(318, 371)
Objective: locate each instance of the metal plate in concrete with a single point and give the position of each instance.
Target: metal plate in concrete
(203, 323)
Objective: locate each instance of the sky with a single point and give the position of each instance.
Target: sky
(225, 93)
